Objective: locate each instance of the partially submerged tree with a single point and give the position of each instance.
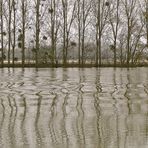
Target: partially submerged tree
(114, 22)
(37, 6)
(2, 32)
(59, 23)
(14, 3)
(130, 10)
(68, 16)
(54, 28)
(101, 12)
(9, 28)
(85, 12)
(23, 16)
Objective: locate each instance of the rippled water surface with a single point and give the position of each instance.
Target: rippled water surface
(74, 108)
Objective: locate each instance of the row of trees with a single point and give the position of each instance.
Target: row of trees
(119, 27)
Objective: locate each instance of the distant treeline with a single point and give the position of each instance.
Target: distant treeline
(80, 32)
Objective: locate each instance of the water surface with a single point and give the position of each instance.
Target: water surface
(74, 108)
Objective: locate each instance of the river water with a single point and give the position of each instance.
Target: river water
(74, 108)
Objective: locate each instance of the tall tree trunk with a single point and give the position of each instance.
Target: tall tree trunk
(9, 32)
(83, 30)
(115, 53)
(2, 39)
(128, 42)
(147, 21)
(67, 22)
(37, 31)
(64, 31)
(23, 31)
(100, 52)
(100, 32)
(121, 56)
(97, 46)
(53, 44)
(116, 34)
(79, 34)
(14, 33)
(98, 35)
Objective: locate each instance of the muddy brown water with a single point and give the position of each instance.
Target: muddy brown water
(74, 108)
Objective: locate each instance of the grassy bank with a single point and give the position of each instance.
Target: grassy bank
(69, 65)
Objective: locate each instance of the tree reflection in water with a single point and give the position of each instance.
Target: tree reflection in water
(74, 108)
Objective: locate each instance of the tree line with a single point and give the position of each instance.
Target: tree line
(118, 29)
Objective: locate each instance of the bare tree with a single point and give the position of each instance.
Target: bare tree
(64, 4)
(122, 42)
(130, 12)
(144, 16)
(146, 19)
(37, 6)
(79, 30)
(68, 19)
(9, 29)
(14, 30)
(54, 29)
(85, 10)
(52, 12)
(101, 14)
(2, 39)
(23, 13)
(70, 23)
(114, 21)
(136, 44)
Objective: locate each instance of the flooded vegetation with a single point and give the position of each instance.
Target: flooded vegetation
(74, 108)
(73, 74)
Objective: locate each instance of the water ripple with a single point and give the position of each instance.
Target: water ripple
(74, 108)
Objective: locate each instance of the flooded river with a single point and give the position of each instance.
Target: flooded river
(74, 108)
